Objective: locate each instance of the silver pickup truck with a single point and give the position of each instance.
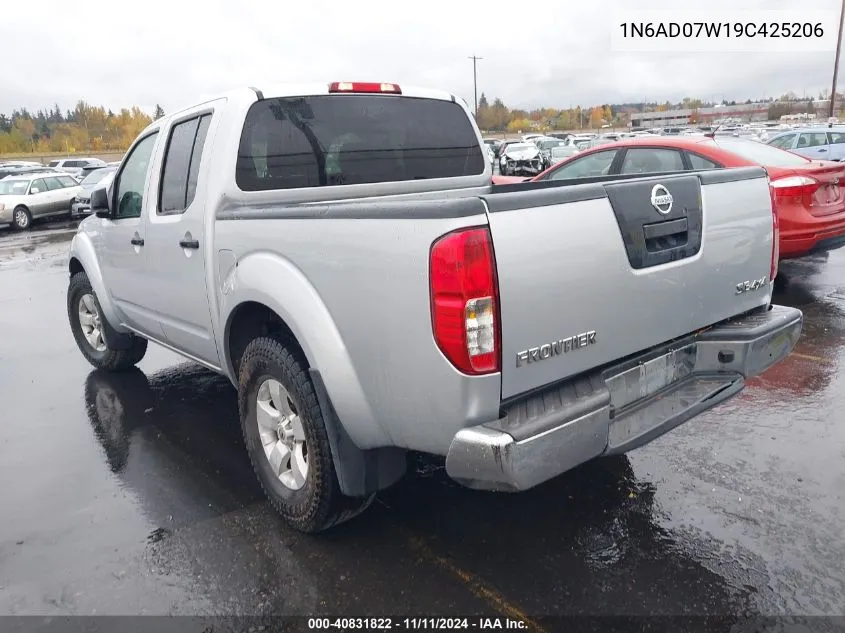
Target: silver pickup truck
(339, 253)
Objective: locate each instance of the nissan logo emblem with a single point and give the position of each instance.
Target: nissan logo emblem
(661, 199)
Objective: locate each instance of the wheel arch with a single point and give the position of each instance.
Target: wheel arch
(359, 471)
(83, 258)
(296, 310)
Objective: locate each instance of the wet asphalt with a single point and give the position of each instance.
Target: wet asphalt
(132, 494)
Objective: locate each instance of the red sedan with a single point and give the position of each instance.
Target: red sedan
(808, 194)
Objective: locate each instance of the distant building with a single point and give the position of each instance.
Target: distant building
(744, 112)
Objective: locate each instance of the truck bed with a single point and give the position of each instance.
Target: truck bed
(591, 272)
(574, 294)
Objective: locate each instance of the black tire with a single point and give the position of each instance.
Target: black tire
(107, 359)
(318, 504)
(70, 210)
(21, 218)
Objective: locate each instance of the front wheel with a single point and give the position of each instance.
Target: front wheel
(87, 324)
(21, 218)
(286, 439)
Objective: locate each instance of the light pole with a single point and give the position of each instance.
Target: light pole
(836, 62)
(475, 79)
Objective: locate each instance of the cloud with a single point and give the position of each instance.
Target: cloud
(174, 53)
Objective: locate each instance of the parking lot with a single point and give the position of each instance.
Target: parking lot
(132, 494)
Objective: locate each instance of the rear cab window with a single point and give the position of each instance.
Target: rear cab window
(54, 163)
(326, 140)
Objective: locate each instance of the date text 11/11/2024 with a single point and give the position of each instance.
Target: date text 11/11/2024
(415, 624)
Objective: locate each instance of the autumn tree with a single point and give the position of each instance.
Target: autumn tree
(596, 117)
(86, 128)
(519, 125)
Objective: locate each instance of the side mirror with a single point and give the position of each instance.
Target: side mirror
(100, 202)
(34, 190)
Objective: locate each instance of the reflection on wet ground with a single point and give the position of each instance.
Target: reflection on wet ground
(132, 493)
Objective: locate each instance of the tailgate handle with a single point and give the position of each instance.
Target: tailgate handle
(665, 229)
(664, 236)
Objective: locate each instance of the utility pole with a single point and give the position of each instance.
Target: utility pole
(836, 62)
(475, 59)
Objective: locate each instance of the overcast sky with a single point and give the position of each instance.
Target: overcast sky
(553, 53)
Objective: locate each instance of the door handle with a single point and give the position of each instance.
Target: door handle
(189, 243)
(822, 149)
(137, 241)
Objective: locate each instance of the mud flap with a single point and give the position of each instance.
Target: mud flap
(113, 338)
(359, 472)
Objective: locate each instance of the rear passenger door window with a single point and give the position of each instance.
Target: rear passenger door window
(811, 139)
(699, 162)
(651, 160)
(53, 184)
(597, 164)
(181, 164)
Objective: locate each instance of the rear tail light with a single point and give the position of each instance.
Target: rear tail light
(789, 190)
(773, 269)
(365, 87)
(465, 300)
(802, 187)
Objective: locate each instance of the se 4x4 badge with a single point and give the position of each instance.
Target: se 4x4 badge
(754, 284)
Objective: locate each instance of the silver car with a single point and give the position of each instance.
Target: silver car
(32, 196)
(81, 204)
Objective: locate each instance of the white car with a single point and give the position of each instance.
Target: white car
(74, 166)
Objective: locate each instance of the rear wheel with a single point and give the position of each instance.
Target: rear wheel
(286, 439)
(87, 324)
(21, 218)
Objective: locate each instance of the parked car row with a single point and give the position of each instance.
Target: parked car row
(808, 194)
(29, 191)
(532, 153)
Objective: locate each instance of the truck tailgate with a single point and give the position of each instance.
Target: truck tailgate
(591, 273)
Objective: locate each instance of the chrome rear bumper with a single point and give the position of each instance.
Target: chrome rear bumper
(620, 408)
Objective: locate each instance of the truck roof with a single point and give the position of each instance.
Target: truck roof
(291, 89)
